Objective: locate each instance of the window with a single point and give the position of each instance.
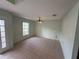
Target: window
(25, 28)
(2, 34)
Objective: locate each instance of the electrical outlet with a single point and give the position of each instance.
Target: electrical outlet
(12, 1)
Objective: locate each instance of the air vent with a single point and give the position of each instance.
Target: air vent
(12, 1)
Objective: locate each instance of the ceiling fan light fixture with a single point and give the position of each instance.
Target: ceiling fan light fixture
(39, 20)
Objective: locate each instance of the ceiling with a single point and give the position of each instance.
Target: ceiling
(32, 9)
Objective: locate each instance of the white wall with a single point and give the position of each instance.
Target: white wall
(17, 25)
(48, 29)
(68, 31)
(76, 41)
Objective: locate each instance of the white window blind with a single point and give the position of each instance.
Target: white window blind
(25, 27)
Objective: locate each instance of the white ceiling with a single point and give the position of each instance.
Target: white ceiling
(32, 9)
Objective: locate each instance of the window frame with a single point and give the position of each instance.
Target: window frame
(26, 29)
(3, 43)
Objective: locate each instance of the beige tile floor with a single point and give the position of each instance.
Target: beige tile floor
(35, 48)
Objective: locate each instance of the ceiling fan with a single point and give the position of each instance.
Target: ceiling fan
(39, 20)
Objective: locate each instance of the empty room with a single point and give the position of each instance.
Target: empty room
(39, 29)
